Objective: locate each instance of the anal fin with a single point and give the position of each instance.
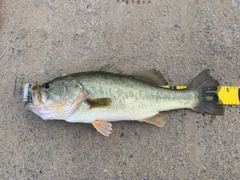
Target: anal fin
(156, 120)
(103, 127)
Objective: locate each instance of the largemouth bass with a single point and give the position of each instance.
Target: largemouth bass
(100, 97)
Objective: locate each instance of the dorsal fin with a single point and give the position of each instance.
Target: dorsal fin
(153, 76)
(111, 68)
(107, 68)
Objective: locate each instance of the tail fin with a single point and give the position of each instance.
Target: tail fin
(206, 86)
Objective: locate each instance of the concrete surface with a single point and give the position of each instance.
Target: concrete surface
(43, 39)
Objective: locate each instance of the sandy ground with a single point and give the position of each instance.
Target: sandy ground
(43, 39)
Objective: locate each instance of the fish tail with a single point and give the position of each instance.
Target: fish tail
(206, 86)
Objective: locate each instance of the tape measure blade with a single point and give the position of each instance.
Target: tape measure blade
(239, 94)
(174, 87)
(227, 95)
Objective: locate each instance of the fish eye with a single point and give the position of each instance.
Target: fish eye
(47, 85)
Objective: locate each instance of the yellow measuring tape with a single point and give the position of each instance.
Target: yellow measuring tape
(227, 95)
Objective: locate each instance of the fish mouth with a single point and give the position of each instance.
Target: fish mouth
(35, 101)
(35, 104)
(32, 94)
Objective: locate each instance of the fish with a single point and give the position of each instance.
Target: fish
(102, 97)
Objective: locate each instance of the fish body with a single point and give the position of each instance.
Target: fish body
(131, 98)
(102, 97)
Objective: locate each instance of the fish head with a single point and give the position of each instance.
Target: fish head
(56, 99)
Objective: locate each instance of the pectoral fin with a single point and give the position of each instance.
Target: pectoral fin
(156, 120)
(99, 102)
(103, 127)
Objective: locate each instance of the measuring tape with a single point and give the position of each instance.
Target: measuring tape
(227, 95)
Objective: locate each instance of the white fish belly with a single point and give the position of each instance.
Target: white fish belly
(110, 116)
